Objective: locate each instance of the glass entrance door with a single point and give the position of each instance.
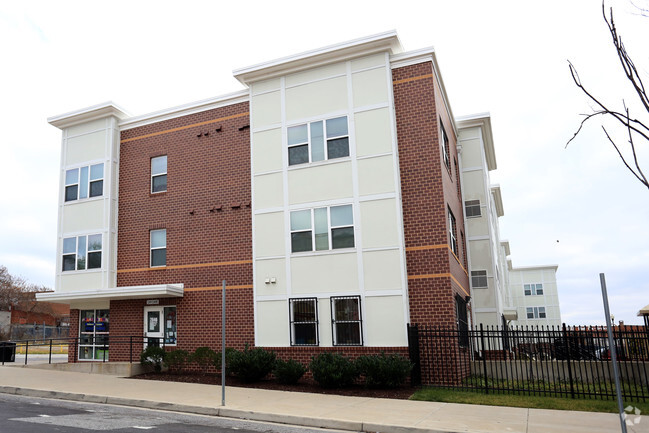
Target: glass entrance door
(153, 326)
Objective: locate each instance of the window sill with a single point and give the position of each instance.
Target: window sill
(157, 194)
(318, 163)
(83, 271)
(84, 200)
(324, 252)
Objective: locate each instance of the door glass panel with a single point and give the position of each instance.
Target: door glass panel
(153, 321)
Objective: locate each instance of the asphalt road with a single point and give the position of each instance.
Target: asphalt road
(20, 414)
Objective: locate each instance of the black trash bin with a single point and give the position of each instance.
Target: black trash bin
(7, 351)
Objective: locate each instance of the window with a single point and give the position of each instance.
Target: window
(346, 321)
(479, 279)
(444, 144)
(158, 247)
(462, 321)
(451, 232)
(334, 228)
(533, 289)
(536, 313)
(170, 325)
(304, 321)
(472, 208)
(159, 174)
(84, 182)
(93, 333)
(81, 252)
(318, 141)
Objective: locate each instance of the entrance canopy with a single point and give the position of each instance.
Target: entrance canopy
(116, 293)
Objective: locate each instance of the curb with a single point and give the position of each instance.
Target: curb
(313, 422)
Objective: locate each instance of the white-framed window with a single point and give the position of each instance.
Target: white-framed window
(81, 253)
(536, 313)
(533, 289)
(318, 141)
(84, 182)
(346, 321)
(159, 174)
(323, 228)
(444, 144)
(472, 208)
(451, 233)
(304, 321)
(479, 279)
(158, 243)
(93, 334)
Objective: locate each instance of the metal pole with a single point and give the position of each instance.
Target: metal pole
(611, 344)
(223, 345)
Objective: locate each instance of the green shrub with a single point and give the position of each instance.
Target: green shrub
(288, 372)
(229, 353)
(384, 371)
(153, 356)
(251, 365)
(176, 360)
(204, 357)
(333, 370)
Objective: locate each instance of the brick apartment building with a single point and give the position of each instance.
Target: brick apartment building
(327, 194)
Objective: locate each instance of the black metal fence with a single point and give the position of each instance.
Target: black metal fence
(552, 361)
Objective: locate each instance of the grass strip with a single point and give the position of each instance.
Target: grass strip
(526, 401)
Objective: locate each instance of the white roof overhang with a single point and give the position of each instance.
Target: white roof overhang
(116, 293)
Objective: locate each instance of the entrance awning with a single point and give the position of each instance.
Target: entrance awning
(115, 293)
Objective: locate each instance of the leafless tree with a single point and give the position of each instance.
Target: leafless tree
(15, 290)
(637, 131)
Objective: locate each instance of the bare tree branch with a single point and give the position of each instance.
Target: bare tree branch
(633, 126)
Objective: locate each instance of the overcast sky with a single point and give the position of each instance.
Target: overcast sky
(575, 207)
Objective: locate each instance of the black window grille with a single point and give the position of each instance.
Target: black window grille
(346, 321)
(304, 321)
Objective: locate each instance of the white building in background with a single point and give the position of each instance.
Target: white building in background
(534, 293)
(498, 291)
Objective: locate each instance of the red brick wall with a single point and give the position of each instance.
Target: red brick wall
(74, 333)
(206, 212)
(29, 317)
(428, 189)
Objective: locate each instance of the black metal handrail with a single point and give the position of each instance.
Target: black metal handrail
(106, 342)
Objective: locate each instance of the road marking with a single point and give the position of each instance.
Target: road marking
(142, 428)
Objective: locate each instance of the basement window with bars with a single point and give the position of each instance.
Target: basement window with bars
(462, 321)
(346, 321)
(304, 321)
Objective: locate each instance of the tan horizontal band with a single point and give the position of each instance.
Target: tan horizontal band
(206, 289)
(406, 80)
(427, 247)
(180, 128)
(195, 265)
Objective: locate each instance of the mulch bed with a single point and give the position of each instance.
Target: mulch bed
(402, 393)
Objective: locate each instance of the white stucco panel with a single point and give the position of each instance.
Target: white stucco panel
(85, 127)
(265, 110)
(269, 234)
(316, 99)
(382, 270)
(370, 87)
(472, 153)
(81, 216)
(268, 191)
(376, 175)
(272, 323)
(324, 273)
(368, 62)
(267, 151)
(80, 281)
(384, 321)
(85, 148)
(270, 270)
(315, 74)
(265, 86)
(379, 223)
(322, 182)
(373, 133)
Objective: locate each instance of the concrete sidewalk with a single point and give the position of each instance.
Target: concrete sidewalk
(312, 410)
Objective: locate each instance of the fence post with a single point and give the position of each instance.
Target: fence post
(50, 352)
(130, 355)
(568, 359)
(484, 361)
(413, 353)
(26, 350)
